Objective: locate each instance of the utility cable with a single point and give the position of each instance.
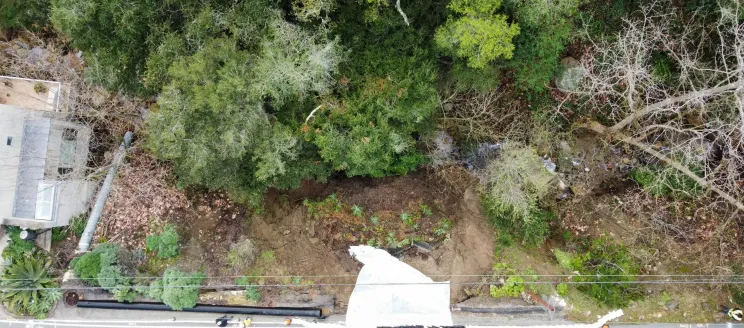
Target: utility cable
(441, 275)
(648, 282)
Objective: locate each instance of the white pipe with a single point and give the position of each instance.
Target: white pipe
(95, 214)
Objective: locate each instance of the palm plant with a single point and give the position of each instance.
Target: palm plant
(27, 288)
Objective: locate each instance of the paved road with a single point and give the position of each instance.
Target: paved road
(71, 317)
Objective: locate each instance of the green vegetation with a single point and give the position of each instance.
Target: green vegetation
(666, 182)
(478, 34)
(112, 279)
(443, 228)
(247, 96)
(17, 248)
(89, 266)
(357, 211)
(102, 267)
(74, 228)
(27, 288)
(546, 28)
(601, 262)
(177, 289)
(267, 256)
(24, 14)
(329, 206)
(515, 184)
(512, 287)
(77, 225)
(252, 293)
(562, 289)
(165, 244)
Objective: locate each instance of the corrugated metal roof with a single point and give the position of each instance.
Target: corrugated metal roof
(32, 162)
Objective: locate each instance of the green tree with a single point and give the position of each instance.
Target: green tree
(371, 132)
(212, 120)
(24, 14)
(545, 29)
(478, 33)
(129, 45)
(308, 10)
(177, 289)
(113, 34)
(294, 61)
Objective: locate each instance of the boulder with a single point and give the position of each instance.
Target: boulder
(570, 75)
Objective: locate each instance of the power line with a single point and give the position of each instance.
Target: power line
(648, 282)
(440, 275)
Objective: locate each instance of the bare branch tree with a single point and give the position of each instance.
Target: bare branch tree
(692, 119)
(485, 116)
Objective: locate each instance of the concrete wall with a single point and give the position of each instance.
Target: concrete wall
(73, 198)
(53, 152)
(11, 125)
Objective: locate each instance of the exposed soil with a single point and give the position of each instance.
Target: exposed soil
(207, 229)
(291, 247)
(468, 252)
(287, 229)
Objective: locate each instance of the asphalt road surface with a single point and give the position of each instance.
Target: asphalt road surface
(71, 317)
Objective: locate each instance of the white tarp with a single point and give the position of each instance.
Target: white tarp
(389, 293)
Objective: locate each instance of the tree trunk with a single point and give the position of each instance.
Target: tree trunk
(613, 134)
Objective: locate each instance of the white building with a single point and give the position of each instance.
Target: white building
(43, 156)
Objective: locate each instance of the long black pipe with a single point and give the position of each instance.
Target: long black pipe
(248, 310)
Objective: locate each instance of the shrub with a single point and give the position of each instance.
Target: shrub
(268, 256)
(512, 187)
(443, 228)
(562, 289)
(88, 266)
(604, 267)
(512, 287)
(58, 234)
(171, 291)
(666, 182)
(77, 225)
(242, 254)
(17, 248)
(112, 279)
(164, 243)
(27, 288)
(252, 293)
(357, 211)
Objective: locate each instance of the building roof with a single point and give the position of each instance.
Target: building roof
(31, 166)
(37, 152)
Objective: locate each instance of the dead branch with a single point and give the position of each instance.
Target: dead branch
(603, 130)
(405, 18)
(486, 116)
(692, 121)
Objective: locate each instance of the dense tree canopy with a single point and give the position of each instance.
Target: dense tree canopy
(254, 94)
(478, 33)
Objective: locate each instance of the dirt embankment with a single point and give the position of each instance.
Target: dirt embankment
(293, 249)
(303, 248)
